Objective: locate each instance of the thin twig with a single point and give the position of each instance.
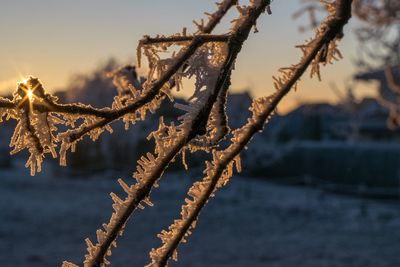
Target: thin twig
(45, 105)
(147, 40)
(6, 103)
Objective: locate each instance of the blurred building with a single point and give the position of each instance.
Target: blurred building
(386, 78)
(362, 121)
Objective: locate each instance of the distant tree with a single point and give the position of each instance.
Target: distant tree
(379, 42)
(210, 60)
(379, 34)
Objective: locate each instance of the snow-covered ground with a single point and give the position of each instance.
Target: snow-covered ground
(45, 219)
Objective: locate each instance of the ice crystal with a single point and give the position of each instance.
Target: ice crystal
(205, 65)
(69, 264)
(198, 195)
(67, 138)
(34, 130)
(330, 51)
(127, 83)
(7, 114)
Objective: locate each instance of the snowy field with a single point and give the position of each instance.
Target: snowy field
(45, 219)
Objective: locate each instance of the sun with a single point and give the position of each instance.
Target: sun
(29, 93)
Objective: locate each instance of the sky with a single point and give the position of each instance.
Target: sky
(54, 39)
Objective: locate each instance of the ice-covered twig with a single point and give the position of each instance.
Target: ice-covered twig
(45, 108)
(48, 105)
(37, 114)
(217, 125)
(151, 167)
(221, 128)
(211, 62)
(180, 61)
(6, 103)
(219, 171)
(147, 40)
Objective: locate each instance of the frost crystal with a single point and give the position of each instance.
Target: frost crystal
(199, 195)
(34, 130)
(69, 264)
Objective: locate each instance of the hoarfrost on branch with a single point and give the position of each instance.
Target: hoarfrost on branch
(208, 59)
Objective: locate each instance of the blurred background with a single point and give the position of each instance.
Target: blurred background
(320, 185)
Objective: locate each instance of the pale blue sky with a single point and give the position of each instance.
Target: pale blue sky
(53, 39)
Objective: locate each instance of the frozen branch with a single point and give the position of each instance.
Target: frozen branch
(210, 60)
(180, 60)
(6, 103)
(219, 171)
(146, 175)
(147, 40)
(46, 104)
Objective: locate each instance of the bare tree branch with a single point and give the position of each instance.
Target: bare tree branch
(181, 58)
(6, 103)
(141, 191)
(211, 60)
(147, 40)
(261, 113)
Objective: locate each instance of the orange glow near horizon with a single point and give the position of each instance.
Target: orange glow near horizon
(60, 49)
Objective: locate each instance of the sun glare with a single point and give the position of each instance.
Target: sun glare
(29, 93)
(24, 81)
